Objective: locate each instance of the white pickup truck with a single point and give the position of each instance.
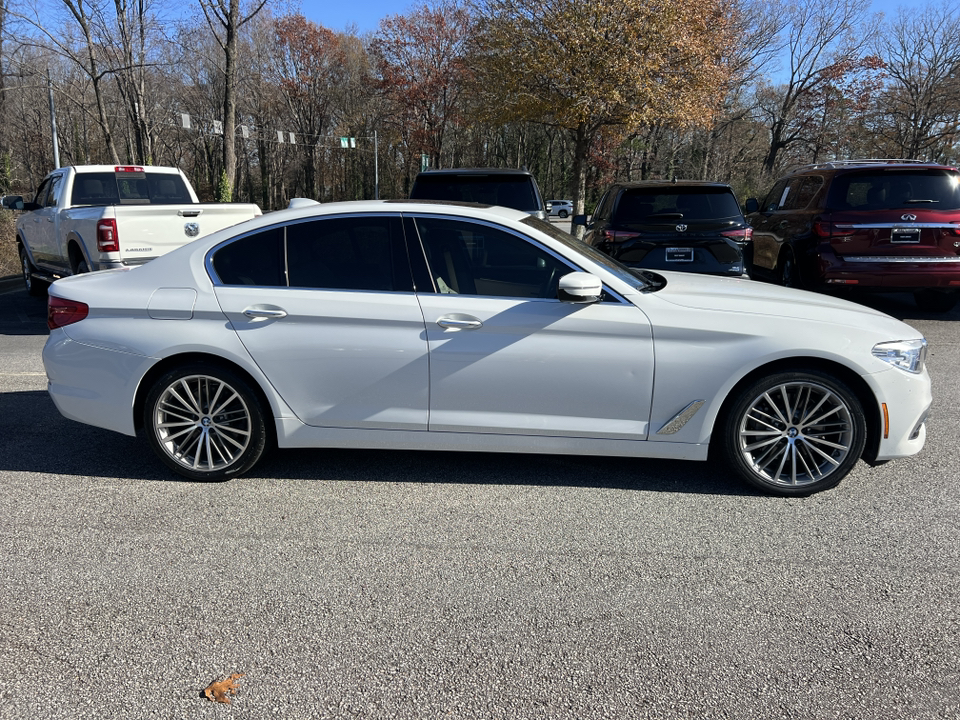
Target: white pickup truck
(95, 217)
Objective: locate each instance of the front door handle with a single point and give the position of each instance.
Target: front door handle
(459, 322)
(263, 312)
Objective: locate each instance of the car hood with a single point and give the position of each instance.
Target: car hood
(748, 297)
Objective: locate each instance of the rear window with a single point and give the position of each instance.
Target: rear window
(129, 188)
(512, 191)
(694, 203)
(895, 189)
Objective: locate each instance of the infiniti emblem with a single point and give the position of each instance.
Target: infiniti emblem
(681, 228)
(909, 217)
(191, 229)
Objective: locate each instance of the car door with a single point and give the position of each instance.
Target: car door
(326, 309)
(45, 247)
(506, 356)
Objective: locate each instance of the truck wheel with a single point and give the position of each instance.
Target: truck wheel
(81, 267)
(36, 288)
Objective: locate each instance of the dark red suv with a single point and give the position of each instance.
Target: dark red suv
(876, 225)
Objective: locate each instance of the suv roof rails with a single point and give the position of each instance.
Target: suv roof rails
(866, 161)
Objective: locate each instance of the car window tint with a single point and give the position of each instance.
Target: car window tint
(95, 189)
(801, 192)
(774, 197)
(349, 253)
(473, 259)
(895, 189)
(56, 183)
(255, 259)
(688, 203)
(513, 191)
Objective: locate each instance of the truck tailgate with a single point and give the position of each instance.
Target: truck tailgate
(148, 231)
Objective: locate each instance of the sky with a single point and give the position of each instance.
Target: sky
(365, 15)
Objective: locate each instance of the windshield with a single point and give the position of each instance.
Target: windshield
(624, 273)
(933, 188)
(512, 191)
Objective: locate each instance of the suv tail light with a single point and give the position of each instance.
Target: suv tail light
(824, 230)
(61, 312)
(743, 235)
(107, 240)
(618, 236)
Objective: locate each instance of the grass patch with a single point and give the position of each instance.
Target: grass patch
(9, 259)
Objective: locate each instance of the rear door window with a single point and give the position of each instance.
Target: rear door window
(687, 203)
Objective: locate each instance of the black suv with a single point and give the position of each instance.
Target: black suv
(877, 225)
(679, 225)
(488, 186)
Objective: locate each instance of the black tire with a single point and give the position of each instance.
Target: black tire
(36, 288)
(563, 213)
(788, 276)
(794, 433)
(935, 301)
(81, 267)
(192, 440)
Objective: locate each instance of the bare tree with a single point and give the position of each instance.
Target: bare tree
(226, 20)
(920, 110)
(821, 36)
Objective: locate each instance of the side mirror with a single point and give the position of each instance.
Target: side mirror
(579, 220)
(752, 206)
(579, 287)
(12, 202)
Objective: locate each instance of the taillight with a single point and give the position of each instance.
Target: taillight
(742, 235)
(619, 236)
(824, 229)
(107, 240)
(62, 312)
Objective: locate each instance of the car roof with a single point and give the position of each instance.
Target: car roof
(879, 164)
(669, 183)
(475, 171)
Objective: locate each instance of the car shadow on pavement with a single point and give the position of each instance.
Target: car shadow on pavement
(37, 439)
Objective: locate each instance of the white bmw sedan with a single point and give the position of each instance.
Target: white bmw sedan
(411, 325)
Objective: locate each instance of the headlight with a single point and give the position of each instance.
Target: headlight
(907, 355)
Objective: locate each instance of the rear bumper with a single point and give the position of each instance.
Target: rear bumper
(893, 272)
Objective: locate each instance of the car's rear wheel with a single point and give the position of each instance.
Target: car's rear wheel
(563, 213)
(794, 433)
(205, 422)
(937, 301)
(36, 288)
(788, 276)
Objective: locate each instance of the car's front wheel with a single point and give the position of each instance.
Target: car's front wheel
(794, 433)
(36, 288)
(205, 422)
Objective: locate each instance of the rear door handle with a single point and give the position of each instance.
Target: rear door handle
(459, 322)
(256, 312)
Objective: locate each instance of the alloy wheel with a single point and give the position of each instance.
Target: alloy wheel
(796, 434)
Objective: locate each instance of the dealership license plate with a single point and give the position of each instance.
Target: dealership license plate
(905, 235)
(679, 254)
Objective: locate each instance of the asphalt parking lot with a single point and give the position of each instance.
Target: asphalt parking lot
(350, 584)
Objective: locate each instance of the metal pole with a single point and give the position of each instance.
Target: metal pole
(53, 123)
(376, 167)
